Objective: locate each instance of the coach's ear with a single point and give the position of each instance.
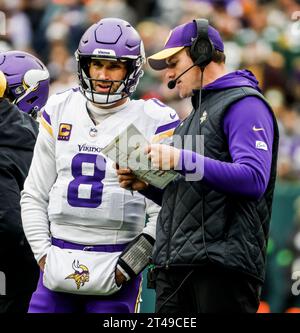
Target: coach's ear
(3, 84)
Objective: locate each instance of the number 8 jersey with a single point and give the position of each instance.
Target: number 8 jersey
(72, 191)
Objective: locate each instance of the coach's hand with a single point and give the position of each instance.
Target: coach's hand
(129, 181)
(163, 157)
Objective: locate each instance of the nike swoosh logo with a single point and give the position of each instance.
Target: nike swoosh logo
(172, 116)
(257, 129)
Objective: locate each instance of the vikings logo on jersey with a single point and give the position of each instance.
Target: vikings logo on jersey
(81, 275)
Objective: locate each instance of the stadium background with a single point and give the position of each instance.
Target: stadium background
(261, 35)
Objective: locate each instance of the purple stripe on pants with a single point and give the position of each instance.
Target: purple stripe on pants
(47, 117)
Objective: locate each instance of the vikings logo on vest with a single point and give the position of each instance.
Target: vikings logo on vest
(81, 274)
(203, 117)
(64, 132)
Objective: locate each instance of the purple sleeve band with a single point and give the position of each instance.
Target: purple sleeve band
(246, 122)
(153, 193)
(47, 117)
(166, 127)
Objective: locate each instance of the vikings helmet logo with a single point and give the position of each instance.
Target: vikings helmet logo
(81, 275)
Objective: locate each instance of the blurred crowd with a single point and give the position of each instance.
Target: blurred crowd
(260, 35)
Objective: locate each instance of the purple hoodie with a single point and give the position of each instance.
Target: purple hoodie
(248, 127)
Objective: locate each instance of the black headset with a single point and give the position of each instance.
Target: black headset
(202, 48)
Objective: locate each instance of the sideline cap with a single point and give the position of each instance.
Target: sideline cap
(179, 38)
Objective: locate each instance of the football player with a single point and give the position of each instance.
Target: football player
(88, 234)
(24, 86)
(27, 81)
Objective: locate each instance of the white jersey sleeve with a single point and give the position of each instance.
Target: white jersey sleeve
(35, 196)
(152, 210)
(168, 120)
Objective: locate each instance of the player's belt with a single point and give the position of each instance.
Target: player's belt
(97, 248)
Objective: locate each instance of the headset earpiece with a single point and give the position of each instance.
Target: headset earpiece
(202, 48)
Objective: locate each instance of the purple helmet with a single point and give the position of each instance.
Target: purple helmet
(27, 79)
(110, 39)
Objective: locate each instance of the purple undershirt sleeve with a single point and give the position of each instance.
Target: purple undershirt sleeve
(248, 127)
(153, 193)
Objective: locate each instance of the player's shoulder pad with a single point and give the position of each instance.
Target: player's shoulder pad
(54, 107)
(156, 109)
(61, 98)
(166, 118)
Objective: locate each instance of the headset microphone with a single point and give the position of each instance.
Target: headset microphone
(172, 83)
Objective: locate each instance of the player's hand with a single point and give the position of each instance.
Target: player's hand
(42, 263)
(119, 277)
(163, 157)
(129, 181)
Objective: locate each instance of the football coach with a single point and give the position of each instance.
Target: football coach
(212, 233)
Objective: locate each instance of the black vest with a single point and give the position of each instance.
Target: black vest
(196, 224)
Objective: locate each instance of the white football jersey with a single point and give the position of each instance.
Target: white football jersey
(73, 188)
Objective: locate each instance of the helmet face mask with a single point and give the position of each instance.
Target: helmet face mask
(116, 87)
(113, 40)
(27, 79)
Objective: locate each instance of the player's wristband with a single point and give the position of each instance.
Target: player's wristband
(136, 256)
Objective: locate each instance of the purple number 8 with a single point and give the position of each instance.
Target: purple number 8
(94, 180)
